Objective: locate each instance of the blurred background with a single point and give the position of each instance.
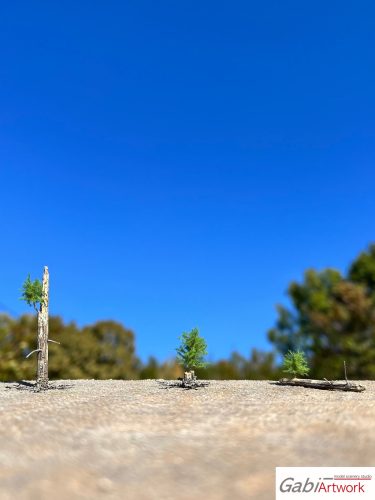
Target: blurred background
(332, 320)
(189, 165)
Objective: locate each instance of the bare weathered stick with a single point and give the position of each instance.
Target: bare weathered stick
(53, 341)
(322, 384)
(32, 352)
(346, 377)
(42, 372)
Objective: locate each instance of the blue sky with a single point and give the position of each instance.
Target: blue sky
(177, 164)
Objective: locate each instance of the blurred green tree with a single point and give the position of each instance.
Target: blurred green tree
(259, 366)
(103, 350)
(362, 269)
(332, 319)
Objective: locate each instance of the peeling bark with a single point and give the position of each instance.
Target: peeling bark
(42, 372)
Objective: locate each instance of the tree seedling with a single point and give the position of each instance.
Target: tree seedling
(295, 363)
(36, 294)
(191, 354)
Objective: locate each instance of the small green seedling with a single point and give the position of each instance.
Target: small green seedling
(295, 363)
(32, 293)
(192, 350)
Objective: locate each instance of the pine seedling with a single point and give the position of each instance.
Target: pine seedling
(32, 293)
(295, 363)
(192, 350)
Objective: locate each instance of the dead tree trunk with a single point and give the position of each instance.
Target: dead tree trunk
(42, 372)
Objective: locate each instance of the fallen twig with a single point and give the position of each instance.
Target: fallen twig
(323, 384)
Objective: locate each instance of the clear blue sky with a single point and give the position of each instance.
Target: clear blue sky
(176, 164)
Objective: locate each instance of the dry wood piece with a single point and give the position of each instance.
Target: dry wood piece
(37, 294)
(189, 379)
(188, 376)
(42, 372)
(323, 384)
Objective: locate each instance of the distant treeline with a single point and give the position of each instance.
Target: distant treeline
(331, 318)
(104, 350)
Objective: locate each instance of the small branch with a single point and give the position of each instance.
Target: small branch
(322, 384)
(32, 352)
(346, 378)
(54, 341)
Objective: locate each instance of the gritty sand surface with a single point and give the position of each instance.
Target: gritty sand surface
(139, 440)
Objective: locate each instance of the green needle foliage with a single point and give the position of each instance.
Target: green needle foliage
(192, 350)
(295, 363)
(32, 292)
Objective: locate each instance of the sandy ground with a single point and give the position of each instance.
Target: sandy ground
(140, 440)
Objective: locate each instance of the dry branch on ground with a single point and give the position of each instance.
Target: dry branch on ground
(323, 384)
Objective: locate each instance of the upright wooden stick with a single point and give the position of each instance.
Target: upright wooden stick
(42, 373)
